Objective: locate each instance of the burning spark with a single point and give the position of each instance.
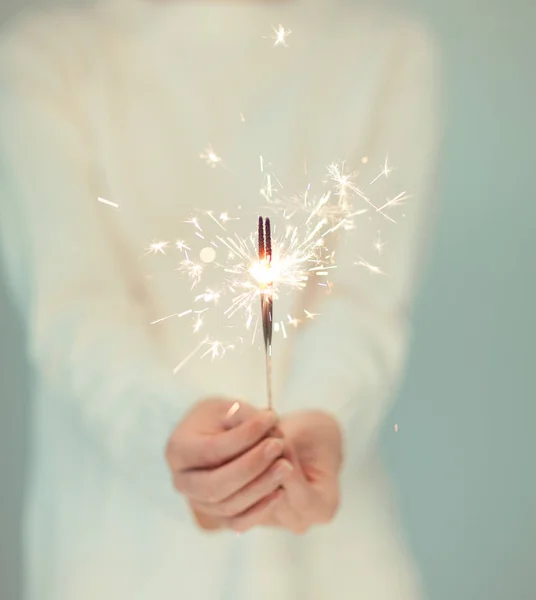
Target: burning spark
(210, 157)
(293, 321)
(385, 172)
(251, 272)
(179, 315)
(107, 202)
(157, 247)
(192, 269)
(215, 349)
(280, 36)
(282, 256)
(345, 183)
(396, 201)
(378, 244)
(182, 246)
(371, 268)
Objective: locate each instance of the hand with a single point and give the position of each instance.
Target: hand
(311, 491)
(225, 464)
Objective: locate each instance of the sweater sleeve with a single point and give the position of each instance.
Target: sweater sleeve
(88, 332)
(349, 359)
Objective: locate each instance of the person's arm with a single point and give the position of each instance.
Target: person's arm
(87, 317)
(348, 360)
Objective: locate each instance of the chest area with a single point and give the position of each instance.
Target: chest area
(196, 133)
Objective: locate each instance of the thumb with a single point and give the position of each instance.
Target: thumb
(296, 485)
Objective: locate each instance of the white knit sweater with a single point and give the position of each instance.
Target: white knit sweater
(118, 102)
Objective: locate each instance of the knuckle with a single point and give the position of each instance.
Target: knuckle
(250, 464)
(211, 451)
(208, 403)
(255, 429)
(227, 510)
(258, 457)
(210, 490)
(257, 461)
(300, 528)
(176, 451)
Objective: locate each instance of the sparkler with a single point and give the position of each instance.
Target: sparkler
(261, 266)
(267, 300)
(273, 260)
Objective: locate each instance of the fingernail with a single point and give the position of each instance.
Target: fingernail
(274, 448)
(282, 471)
(233, 418)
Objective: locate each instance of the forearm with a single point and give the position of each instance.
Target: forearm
(97, 356)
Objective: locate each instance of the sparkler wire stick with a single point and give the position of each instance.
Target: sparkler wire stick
(267, 299)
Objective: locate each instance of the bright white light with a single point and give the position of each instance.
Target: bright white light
(208, 254)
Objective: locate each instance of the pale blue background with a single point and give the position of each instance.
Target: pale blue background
(463, 456)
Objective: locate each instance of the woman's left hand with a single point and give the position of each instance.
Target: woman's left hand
(311, 492)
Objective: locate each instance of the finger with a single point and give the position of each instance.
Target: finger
(313, 503)
(215, 485)
(288, 518)
(277, 432)
(260, 514)
(209, 451)
(251, 494)
(298, 490)
(292, 510)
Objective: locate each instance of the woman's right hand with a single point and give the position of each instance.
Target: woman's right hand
(227, 462)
